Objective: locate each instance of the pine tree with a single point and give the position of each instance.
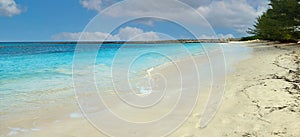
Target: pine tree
(279, 23)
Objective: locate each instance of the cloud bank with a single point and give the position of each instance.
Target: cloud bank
(124, 34)
(237, 15)
(9, 8)
(218, 36)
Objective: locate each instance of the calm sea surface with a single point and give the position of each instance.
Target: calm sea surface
(32, 72)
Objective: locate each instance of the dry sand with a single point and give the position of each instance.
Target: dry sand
(262, 96)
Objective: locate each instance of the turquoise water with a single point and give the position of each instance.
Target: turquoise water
(37, 80)
(32, 73)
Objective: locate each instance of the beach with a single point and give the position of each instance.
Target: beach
(261, 97)
(150, 68)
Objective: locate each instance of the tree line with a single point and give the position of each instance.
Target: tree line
(281, 22)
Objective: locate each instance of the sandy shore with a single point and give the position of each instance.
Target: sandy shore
(261, 98)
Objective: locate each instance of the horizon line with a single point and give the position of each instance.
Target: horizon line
(220, 40)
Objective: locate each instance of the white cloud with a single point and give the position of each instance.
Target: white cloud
(196, 3)
(131, 33)
(127, 33)
(92, 4)
(236, 14)
(222, 36)
(153, 8)
(218, 36)
(97, 5)
(9, 8)
(84, 36)
(148, 22)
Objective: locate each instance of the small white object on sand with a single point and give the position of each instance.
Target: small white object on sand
(149, 71)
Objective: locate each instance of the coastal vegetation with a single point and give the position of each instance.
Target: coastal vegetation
(281, 22)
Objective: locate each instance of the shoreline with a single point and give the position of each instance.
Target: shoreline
(260, 100)
(49, 117)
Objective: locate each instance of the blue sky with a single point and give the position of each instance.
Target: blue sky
(43, 18)
(47, 20)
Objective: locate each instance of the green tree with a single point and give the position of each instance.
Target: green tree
(281, 22)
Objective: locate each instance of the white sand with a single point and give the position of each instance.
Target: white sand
(259, 100)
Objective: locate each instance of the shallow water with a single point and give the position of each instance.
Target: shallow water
(36, 76)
